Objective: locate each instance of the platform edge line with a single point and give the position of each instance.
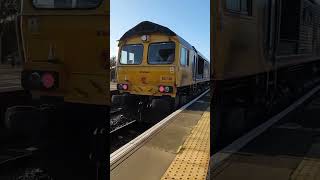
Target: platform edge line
(220, 156)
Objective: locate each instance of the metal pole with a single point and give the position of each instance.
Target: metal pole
(1, 56)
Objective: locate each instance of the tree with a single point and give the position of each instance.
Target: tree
(113, 61)
(8, 11)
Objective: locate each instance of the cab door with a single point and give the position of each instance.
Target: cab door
(194, 70)
(184, 67)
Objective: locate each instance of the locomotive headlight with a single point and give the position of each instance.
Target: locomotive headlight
(145, 38)
(35, 77)
(119, 86)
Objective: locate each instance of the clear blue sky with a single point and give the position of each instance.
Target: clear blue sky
(190, 19)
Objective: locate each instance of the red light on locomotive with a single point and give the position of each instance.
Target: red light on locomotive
(161, 89)
(122, 86)
(165, 89)
(47, 80)
(125, 87)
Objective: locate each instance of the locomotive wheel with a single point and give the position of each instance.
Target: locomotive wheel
(122, 100)
(179, 101)
(117, 100)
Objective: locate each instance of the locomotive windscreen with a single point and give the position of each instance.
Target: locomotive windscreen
(161, 53)
(131, 54)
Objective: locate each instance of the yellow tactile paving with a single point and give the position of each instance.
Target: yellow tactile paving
(193, 157)
(307, 169)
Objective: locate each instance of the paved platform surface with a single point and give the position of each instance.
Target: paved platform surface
(290, 150)
(9, 78)
(183, 143)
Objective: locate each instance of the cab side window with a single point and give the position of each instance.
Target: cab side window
(239, 6)
(68, 4)
(184, 56)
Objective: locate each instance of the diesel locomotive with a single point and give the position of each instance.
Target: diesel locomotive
(158, 70)
(265, 54)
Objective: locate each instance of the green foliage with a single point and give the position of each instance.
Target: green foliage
(113, 61)
(8, 10)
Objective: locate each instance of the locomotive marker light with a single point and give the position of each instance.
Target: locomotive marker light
(34, 80)
(119, 87)
(35, 77)
(122, 86)
(165, 89)
(125, 86)
(47, 80)
(161, 89)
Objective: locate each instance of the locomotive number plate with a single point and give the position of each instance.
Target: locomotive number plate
(166, 78)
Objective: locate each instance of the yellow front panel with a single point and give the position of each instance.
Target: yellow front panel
(76, 40)
(145, 80)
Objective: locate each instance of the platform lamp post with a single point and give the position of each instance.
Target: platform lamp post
(1, 55)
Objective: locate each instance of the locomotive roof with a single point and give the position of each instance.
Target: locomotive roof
(201, 55)
(147, 27)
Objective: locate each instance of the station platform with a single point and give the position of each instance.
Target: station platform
(288, 150)
(178, 150)
(10, 78)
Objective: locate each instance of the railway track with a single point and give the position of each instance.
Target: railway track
(17, 162)
(124, 128)
(12, 155)
(119, 120)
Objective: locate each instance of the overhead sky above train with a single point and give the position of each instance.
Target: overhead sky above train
(190, 19)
